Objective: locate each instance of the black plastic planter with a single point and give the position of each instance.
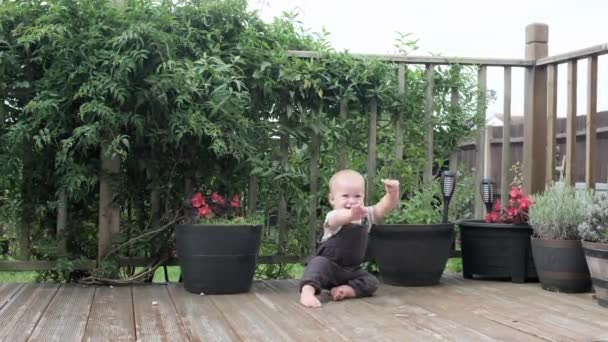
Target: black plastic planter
(218, 259)
(411, 255)
(496, 250)
(561, 265)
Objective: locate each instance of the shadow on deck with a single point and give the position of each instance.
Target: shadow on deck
(457, 309)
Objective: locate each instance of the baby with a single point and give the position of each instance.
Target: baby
(336, 264)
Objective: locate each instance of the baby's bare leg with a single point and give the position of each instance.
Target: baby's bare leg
(343, 292)
(308, 298)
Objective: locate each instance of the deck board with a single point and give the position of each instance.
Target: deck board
(455, 310)
(156, 317)
(19, 317)
(202, 320)
(7, 291)
(358, 320)
(509, 308)
(111, 315)
(66, 317)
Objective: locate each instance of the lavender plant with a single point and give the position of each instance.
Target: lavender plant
(594, 227)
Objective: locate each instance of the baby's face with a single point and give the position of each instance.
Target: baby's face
(347, 192)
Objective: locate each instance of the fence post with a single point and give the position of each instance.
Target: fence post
(535, 110)
(480, 143)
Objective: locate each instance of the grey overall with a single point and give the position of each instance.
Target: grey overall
(337, 261)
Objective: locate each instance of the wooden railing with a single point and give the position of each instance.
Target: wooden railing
(540, 99)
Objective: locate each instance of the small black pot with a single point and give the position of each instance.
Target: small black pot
(411, 254)
(218, 259)
(497, 250)
(561, 265)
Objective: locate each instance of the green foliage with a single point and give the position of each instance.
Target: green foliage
(557, 212)
(594, 226)
(423, 207)
(198, 93)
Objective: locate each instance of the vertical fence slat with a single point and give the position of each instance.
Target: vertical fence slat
(282, 214)
(315, 152)
(400, 116)
(371, 157)
(590, 127)
(571, 124)
(252, 195)
(535, 108)
(428, 122)
(109, 214)
(506, 138)
(62, 221)
(343, 161)
(455, 107)
(480, 143)
(551, 121)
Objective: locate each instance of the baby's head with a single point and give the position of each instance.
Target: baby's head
(346, 189)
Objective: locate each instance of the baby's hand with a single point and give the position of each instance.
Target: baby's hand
(358, 213)
(391, 186)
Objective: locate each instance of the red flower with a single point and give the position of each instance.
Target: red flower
(205, 211)
(215, 198)
(515, 193)
(516, 211)
(235, 202)
(497, 205)
(215, 206)
(198, 200)
(492, 217)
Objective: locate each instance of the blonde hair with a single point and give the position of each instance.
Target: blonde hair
(344, 174)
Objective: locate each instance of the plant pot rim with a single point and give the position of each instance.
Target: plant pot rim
(408, 225)
(595, 245)
(219, 225)
(484, 224)
(556, 242)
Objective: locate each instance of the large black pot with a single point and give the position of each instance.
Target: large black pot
(218, 259)
(411, 255)
(497, 250)
(561, 265)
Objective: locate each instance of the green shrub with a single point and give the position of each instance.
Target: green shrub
(594, 226)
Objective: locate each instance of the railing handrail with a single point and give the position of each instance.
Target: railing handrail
(437, 60)
(595, 50)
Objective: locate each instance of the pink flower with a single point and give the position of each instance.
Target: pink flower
(497, 205)
(512, 212)
(235, 202)
(198, 200)
(515, 193)
(215, 198)
(525, 203)
(205, 211)
(492, 217)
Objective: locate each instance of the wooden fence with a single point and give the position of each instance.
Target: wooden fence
(467, 155)
(537, 151)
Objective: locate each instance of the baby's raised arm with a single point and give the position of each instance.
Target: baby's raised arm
(389, 201)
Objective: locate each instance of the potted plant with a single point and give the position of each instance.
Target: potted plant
(217, 248)
(499, 246)
(413, 247)
(556, 246)
(594, 233)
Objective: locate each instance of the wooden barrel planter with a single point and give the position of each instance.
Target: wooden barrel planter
(218, 259)
(597, 260)
(561, 265)
(411, 255)
(496, 250)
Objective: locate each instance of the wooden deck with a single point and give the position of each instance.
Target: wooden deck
(456, 310)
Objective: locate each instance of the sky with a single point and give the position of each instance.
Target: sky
(465, 28)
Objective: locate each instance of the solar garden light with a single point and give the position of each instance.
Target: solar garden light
(488, 193)
(448, 184)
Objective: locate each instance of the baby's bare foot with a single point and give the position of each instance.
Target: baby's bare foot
(342, 292)
(308, 298)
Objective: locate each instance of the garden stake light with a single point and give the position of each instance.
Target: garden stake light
(488, 193)
(448, 184)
